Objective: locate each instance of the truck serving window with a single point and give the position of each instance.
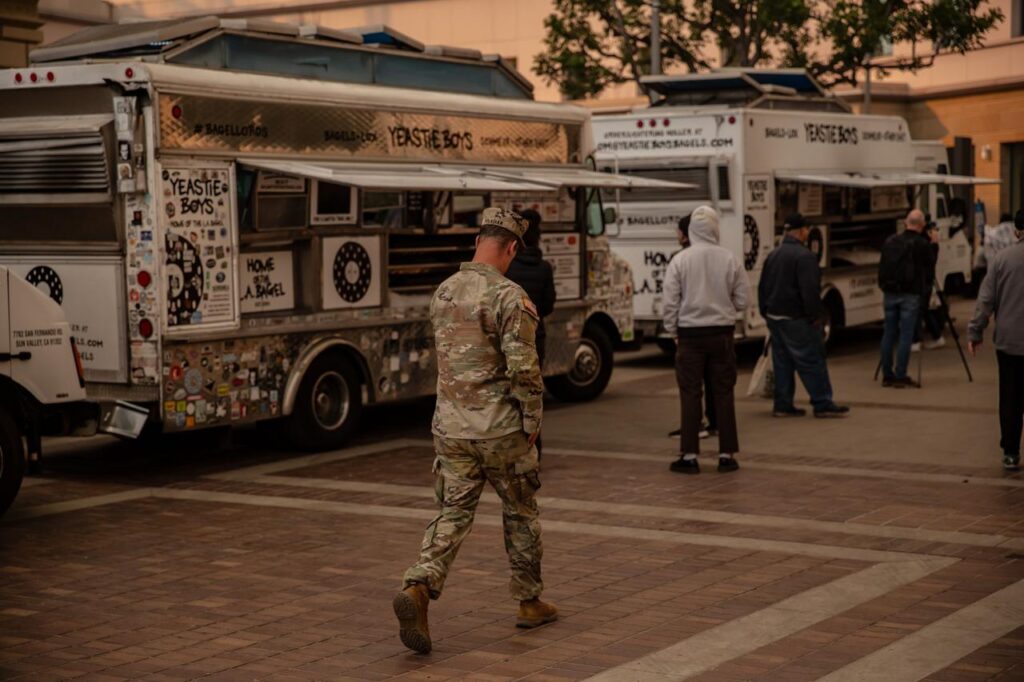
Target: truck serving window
(698, 176)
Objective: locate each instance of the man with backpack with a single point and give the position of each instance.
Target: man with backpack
(905, 275)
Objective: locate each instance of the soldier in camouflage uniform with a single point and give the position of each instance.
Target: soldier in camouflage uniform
(488, 415)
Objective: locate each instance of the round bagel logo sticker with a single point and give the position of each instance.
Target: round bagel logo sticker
(352, 272)
(46, 279)
(751, 242)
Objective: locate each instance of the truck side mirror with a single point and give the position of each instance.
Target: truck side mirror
(610, 216)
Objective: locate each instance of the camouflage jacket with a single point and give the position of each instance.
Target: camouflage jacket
(488, 377)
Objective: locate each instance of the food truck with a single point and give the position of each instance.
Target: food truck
(760, 144)
(246, 221)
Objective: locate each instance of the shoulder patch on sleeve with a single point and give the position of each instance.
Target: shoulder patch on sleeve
(528, 306)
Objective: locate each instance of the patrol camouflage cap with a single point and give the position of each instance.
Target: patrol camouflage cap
(509, 220)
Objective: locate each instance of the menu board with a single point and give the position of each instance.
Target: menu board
(199, 248)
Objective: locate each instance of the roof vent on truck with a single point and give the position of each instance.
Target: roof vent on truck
(744, 87)
(376, 54)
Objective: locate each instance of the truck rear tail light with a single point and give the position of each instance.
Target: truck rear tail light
(144, 278)
(129, 73)
(49, 76)
(33, 77)
(145, 328)
(176, 111)
(78, 363)
(18, 78)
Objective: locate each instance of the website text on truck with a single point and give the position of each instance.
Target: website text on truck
(758, 145)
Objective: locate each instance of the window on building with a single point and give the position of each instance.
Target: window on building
(1017, 18)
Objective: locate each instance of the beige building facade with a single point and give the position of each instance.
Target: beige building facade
(979, 95)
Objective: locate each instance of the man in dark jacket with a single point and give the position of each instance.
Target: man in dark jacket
(905, 275)
(535, 275)
(789, 298)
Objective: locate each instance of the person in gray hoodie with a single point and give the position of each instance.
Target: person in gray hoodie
(705, 292)
(1002, 293)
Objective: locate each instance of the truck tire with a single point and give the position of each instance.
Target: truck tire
(12, 460)
(591, 370)
(328, 406)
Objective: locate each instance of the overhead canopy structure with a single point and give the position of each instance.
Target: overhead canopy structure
(410, 176)
(881, 179)
(554, 178)
(399, 176)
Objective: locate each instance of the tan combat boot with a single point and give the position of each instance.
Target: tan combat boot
(411, 609)
(534, 612)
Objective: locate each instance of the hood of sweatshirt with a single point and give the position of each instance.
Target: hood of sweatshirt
(704, 225)
(529, 255)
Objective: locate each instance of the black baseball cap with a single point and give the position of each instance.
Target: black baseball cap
(794, 221)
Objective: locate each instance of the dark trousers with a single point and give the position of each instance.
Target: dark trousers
(709, 400)
(715, 355)
(1011, 401)
(541, 346)
(798, 347)
(901, 311)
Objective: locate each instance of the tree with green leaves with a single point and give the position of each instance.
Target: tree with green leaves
(591, 44)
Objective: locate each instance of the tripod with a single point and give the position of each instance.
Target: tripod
(944, 309)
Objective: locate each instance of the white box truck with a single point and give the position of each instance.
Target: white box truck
(758, 145)
(42, 385)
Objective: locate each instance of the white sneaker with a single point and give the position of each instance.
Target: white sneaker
(915, 347)
(936, 343)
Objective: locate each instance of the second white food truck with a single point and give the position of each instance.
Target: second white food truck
(246, 221)
(758, 145)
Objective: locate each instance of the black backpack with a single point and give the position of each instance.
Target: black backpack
(896, 268)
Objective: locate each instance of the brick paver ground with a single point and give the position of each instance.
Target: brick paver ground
(190, 566)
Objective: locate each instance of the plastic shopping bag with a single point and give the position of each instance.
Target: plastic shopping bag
(760, 375)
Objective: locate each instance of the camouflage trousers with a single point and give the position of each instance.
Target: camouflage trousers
(462, 467)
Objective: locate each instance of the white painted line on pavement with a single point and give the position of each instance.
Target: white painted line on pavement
(713, 647)
(611, 531)
(940, 644)
(362, 509)
(801, 468)
(33, 482)
(652, 511)
(326, 457)
(35, 511)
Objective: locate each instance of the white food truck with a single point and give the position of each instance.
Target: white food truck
(246, 221)
(758, 145)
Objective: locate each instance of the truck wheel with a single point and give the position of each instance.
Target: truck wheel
(591, 369)
(328, 405)
(12, 461)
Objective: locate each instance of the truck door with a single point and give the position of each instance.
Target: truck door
(5, 326)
